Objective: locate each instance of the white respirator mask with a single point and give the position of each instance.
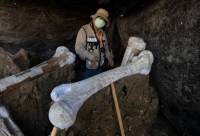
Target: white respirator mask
(99, 23)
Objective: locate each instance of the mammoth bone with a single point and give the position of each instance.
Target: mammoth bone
(61, 58)
(69, 98)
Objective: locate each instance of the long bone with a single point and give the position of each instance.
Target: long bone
(135, 45)
(70, 97)
(61, 58)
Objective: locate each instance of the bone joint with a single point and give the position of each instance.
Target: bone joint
(69, 98)
(135, 45)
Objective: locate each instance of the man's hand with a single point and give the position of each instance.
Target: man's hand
(94, 62)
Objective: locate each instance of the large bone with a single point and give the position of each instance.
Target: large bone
(7, 125)
(70, 97)
(135, 45)
(61, 58)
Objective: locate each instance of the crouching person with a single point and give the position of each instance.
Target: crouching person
(92, 44)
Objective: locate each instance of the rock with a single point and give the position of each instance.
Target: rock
(162, 127)
(171, 30)
(40, 26)
(139, 106)
(11, 64)
(42, 30)
(7, 66)
(21, 59)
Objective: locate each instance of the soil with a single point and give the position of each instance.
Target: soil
(139, 107)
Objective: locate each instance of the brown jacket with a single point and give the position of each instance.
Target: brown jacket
(88, 47)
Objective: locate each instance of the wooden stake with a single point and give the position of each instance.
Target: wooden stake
(119, 117)
(54, 132)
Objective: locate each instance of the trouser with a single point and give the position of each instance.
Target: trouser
(87, 73)
(90, 72)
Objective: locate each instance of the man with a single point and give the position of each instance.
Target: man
(92, 44)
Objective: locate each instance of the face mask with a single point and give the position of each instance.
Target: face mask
(99, 23)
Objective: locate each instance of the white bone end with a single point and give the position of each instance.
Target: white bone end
(59, 91)
(137, 43)
(60, 50)
(63, 50)
(60, 116)
(3, 112)
(148, 54)
(143, 62)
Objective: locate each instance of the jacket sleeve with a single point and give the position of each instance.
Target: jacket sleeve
(80, 46)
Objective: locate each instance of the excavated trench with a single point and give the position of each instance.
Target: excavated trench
(29, 102)
(171, 31)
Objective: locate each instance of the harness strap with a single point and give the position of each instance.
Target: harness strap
(99, 65)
